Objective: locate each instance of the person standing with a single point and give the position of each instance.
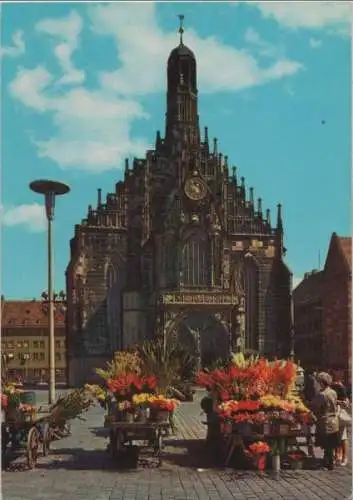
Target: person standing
(324, 407)
(343, 406)
(311, 390)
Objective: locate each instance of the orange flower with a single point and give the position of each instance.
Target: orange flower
(259, 448)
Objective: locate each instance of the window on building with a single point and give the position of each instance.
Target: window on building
(41, 344)
(195, 265)
(19, 344)
(57, 344)
(58, 356)
(10, 344)
(36, 356)
(41, 356)
(25, 344)
(35, 344)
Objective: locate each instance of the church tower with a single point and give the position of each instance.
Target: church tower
(182, 120)
(181, 249)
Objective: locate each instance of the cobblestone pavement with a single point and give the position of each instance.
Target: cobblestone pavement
(79, 467)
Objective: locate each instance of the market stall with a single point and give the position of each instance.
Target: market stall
(138, 411)
(253, 410)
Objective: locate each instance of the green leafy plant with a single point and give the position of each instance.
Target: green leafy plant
(168, 361)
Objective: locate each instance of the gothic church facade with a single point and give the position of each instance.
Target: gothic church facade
(179, 248)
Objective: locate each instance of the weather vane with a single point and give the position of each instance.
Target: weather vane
(181, 27)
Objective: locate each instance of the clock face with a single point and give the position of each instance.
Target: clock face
(195, 189)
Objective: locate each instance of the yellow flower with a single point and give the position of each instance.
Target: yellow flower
(140, 399)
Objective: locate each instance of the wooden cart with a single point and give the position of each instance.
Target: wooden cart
(122, 435)
(24, 435)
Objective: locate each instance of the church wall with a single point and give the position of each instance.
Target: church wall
(134, 323)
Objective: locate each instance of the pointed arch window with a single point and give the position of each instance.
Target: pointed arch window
(194, 261)
(251, 302)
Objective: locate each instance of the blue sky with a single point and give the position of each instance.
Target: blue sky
(83, 87)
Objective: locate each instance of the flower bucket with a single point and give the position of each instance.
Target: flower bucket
(141, 415)
(283, 429)
(280, 429)
(260, 462)
(159, 415)
(127, 417)
(266, 429)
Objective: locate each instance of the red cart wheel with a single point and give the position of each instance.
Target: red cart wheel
(32, 447)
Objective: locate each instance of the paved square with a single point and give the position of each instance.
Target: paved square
(79, 467)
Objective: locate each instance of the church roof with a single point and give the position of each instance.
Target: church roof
(19, 313)
(345, 244)
(181, 51)
(310, 289)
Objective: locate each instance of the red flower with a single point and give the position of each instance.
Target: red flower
(4, 400)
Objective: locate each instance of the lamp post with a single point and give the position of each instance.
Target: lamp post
(60, 304)
(50, 189)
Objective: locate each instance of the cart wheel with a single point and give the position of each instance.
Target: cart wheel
(32, 447)
(47, 435)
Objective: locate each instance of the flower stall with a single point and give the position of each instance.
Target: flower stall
(137, 408)
(252, 400)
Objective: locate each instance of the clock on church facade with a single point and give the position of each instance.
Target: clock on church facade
(178, 248)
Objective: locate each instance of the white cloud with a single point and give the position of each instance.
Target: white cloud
(67, 30)
(315, 43)
(18, 48)
(31, 216)
(149, 51)
(262, 47)
(334, 16)
(28, 87)
(93, 126)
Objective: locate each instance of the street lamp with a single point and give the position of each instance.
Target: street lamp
(50, 189)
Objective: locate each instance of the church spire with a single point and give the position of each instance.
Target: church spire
(181, 27)
(279, 233)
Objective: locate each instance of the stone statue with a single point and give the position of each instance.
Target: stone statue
(238, 280)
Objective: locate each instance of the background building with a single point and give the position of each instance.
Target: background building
(179, 248)
(25, 342)
(308, 320)
(322, 312)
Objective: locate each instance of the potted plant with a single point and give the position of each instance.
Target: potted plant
(127, 411)
(161, 408)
